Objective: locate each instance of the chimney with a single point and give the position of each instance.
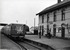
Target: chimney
(59, 1)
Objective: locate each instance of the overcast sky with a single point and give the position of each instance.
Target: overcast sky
(23, 10)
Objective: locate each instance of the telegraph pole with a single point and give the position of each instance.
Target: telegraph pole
(34, 25)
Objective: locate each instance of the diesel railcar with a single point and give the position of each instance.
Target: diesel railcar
(15, 30)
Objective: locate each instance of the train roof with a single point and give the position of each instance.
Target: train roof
(17, 24)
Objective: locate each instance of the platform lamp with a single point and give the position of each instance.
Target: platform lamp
(34, 25)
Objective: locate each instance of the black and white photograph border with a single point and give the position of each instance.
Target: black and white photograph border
(34, 24)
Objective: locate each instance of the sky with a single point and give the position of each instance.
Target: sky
(22, 11)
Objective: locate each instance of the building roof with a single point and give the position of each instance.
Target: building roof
(54, 7)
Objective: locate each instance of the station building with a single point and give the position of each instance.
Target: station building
(54, 17)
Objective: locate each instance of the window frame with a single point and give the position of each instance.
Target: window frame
(48, 17)
(63, 14)
(42, 18)
(54, 16)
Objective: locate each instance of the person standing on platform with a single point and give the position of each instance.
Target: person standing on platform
(40, 34)
(49, 33)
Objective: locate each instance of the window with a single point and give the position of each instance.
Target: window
(47, 17)
(62, 15)
(42, 18)
(54, 25)
(54, 16)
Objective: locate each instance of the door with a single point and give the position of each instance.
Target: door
(62, 31)
(42, 30)
(54, 30)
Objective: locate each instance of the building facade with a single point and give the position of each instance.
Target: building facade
(54, 17)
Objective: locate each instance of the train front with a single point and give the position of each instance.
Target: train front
(17, 31)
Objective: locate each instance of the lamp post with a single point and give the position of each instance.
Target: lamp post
(34, 22)
(34, 25)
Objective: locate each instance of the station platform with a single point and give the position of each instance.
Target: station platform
(55, 43)
(8, 44)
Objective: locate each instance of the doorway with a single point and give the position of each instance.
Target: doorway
(42, 30)
(54, 30)
(62, 30)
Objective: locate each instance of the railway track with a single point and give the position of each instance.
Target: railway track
(28, 46)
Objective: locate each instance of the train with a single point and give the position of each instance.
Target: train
(15, 30)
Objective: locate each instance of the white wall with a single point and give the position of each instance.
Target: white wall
(58, 22)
